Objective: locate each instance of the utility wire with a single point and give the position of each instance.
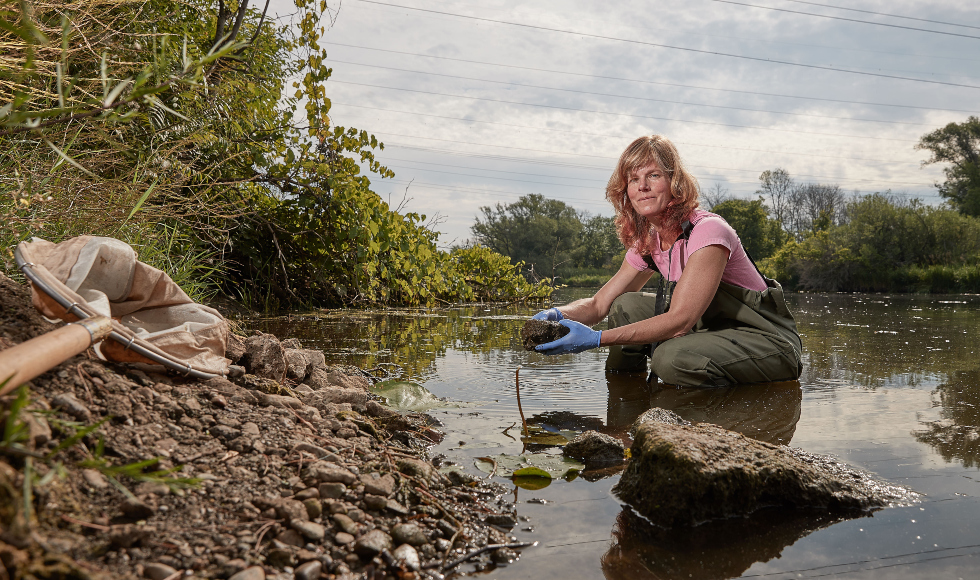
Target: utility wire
(541, 162)
(607, 136)
(614, 158)
(653, 100)
(848, 19)
(644, 81)
(885, 14)
(670, 46)
(578, 110)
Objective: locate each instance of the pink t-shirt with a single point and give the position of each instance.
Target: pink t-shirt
(709, 229)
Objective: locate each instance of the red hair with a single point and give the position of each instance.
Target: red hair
(634, 230)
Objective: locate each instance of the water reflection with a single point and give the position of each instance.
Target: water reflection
(955, 436)
(715, 550)
(768, 412)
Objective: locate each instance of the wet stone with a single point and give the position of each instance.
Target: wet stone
(343, 538)
(595, 449)
(408, 557)
(408, 534)
(332, 490)
(375, 502)
(657, 415)
(502, 520)
(308, 571)
(310, 530)
(372, 543)
(537, 332)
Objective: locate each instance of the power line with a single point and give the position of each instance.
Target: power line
(614, 158)
(578, 110)
(673, 47)
(885, 14)
(587, 134)
(644, 81)
(848, 19)
(579, 91)
(525, 160)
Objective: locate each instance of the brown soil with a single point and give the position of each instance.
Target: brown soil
(257, 488)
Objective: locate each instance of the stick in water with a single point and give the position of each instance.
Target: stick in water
(517, 381)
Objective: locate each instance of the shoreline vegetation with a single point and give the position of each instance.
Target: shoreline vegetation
(202, 136)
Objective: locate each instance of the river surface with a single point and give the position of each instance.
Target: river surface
(891, 385)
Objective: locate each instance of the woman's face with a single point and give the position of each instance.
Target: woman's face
(649, 191)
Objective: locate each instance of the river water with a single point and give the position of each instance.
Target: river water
(891, 385)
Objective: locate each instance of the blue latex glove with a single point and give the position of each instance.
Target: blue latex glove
(581, 338)
(552, 314)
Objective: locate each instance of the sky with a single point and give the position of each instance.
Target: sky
(479, 103)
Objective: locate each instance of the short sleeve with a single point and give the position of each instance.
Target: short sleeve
(633, 258)
(713, 231)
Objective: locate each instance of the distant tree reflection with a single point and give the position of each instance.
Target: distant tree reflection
(956, 436)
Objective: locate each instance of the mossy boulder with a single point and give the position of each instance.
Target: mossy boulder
(682, 475)
(537, 332)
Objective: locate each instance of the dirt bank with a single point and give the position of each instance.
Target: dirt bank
(247, 479)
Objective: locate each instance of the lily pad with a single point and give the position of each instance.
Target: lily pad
(532, 483)
(554, 465)
(531, 472)
(406, 396)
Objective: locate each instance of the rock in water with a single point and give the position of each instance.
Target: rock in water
(537, 332)
(688, 474)
(595, 449)
(657, 415)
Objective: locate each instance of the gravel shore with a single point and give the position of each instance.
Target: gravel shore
(305, 477)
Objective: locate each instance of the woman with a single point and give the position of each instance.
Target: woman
(715, 320)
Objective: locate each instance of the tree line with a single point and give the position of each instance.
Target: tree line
(200, 133)
(809, 236)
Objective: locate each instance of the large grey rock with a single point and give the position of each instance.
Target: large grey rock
(595, 449)
(688, 474)
(264, 357)
(657, 415)
(537, 332)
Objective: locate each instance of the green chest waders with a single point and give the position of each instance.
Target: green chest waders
(744, 336)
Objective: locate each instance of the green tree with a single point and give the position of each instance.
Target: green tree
(598, 243)
(535, 230)
(959, 145)
(761, 235)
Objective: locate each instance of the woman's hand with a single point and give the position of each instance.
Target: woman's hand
(552, 314)
(580, 338)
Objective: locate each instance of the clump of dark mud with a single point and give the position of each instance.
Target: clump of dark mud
(298, 474)
(537, 332)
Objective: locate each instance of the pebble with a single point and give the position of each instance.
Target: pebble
(308, 571)
(291, 537)
(375, 502)
(310, 530)
(308, 493)
(313, 508)
(408, 557)
(379, 485)
(502, 520)
(157, 571)
(253, 573)
(291, 509)
(408, 534)
(94, 479)
(332, 490)
(137, 510)
(343, 538)
(346, 524)
(442, 544)
(372, 543)
(250, 428)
